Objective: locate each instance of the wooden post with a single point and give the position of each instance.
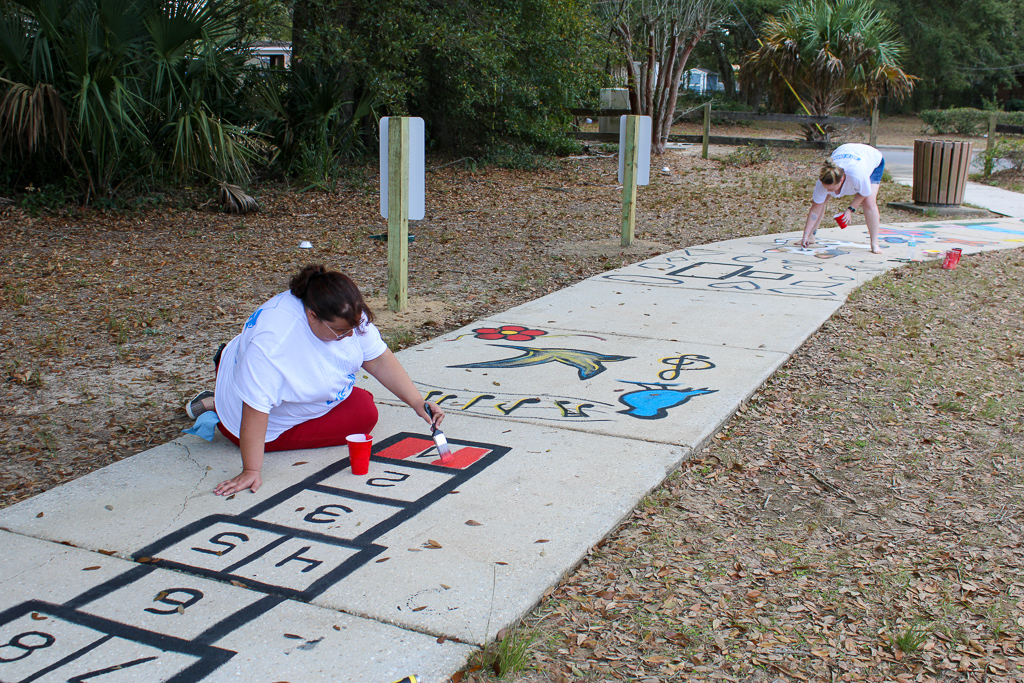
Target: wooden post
(398, 213)
(707, 129)
(990, 148)
(629, 171)
(873, 136)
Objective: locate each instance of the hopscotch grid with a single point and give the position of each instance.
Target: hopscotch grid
(239, 619)
(111, 586)
(208, 658)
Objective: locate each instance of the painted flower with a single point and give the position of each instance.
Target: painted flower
(508, 333)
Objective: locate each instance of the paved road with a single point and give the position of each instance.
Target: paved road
(899, 161)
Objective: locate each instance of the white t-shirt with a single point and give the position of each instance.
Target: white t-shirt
(278, 366)
(858, 161)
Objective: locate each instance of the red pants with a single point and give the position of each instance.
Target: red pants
(357, 414)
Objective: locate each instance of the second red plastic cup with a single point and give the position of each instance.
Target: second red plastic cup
(359, 452)
(840, 219)
(952, 259)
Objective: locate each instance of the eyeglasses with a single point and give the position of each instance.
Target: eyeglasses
(337, 335)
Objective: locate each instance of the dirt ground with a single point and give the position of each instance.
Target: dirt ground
(111, 319)
(826, 522)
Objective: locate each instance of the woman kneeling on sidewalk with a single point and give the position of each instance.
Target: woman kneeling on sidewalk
(288, 380)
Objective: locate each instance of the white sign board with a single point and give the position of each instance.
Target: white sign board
(417, 168)
(643, 152)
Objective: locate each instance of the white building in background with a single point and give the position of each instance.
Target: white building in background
(272, 54)
(701, 81)
(698, 80)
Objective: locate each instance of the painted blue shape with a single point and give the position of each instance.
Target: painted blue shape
(994, 228)
(654, 404)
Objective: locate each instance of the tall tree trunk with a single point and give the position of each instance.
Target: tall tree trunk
(632, 79)
(650, 67)
(725, 73)
(300, 23)
(661, 127)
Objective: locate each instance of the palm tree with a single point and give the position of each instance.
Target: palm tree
(829, 54)
(105, 89)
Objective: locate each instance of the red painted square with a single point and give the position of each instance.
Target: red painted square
(464, 457)
(406, 447)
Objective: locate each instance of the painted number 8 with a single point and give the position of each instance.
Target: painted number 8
(20, 642)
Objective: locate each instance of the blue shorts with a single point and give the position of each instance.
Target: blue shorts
(876, 175)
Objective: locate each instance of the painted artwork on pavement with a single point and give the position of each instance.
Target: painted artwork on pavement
(647, 403)
(588, 364)
(294, 545)
(654, 400)
(743, 273)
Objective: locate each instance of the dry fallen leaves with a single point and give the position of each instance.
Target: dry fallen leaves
(762, 572)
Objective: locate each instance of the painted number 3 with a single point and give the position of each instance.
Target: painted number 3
(27, 643)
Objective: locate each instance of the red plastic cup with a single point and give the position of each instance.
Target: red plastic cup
(359, 446)
(840, 218)
(952, 259)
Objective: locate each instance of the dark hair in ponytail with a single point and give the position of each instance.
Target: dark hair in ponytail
(330, 295)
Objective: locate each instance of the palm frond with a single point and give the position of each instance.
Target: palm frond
(235, 200)
(31, 117)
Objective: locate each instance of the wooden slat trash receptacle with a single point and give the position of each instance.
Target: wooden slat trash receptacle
(940, 171)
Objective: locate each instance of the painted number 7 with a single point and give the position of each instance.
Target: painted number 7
(401, 477)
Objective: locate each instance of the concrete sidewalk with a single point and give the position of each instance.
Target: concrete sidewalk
(563, 414)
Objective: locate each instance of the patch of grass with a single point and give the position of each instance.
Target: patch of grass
(909, 639)
(750, 155)
(952, 405)
(52, 342)
(15, 294)
(47, 438)
(118, 329)
(399, 339)
(509, 654)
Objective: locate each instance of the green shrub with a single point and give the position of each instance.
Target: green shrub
(750, 155)
(966, 121)
(962, 121)
(1009, 148)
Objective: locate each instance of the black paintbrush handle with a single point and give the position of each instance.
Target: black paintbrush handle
(433, 427)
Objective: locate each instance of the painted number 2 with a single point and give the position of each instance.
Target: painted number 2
(401, 477)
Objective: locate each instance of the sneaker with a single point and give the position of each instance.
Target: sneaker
(195, 407)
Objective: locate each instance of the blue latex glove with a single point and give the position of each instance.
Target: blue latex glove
(205, 426)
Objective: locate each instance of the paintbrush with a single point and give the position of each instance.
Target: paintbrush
(443, 449)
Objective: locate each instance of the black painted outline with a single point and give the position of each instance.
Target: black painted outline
(365, 549)
(363, 554)
(748, 272)
(208, 657)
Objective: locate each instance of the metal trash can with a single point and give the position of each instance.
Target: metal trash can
(940, 171)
